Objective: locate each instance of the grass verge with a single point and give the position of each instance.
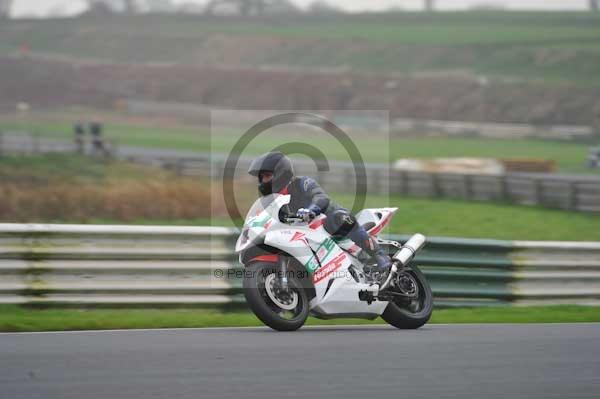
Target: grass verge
(456, 218)
(70, 189)
(15, 318)
(569, 156)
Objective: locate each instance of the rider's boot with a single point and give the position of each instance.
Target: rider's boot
(384, 264)
(372, 248)
(383, 260)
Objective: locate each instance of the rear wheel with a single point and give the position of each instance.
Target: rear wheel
(282, 309)
(412, 302)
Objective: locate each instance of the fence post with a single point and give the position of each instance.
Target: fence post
(114, 148)
(468, 186)
(375, 180)
(503, 188)
(348, 173)
(405, 185)
(537, 192)
(36, 143)
(180, 166)
(573, 196)
(435, 185)
(1, 143)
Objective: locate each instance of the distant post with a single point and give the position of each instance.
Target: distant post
(79, 132)
(430, 5)
(23, 111)
(5, 7)
(593, 4)
(98, 147)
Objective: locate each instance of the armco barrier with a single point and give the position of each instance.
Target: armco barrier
(156, 265)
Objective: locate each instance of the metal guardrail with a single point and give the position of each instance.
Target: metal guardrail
(156, 265)
(568, 192)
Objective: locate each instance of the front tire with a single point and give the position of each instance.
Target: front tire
(279, 309)
(411, 314)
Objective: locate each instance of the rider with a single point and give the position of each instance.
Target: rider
(276, 175)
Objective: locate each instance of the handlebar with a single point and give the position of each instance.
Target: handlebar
(292, 219)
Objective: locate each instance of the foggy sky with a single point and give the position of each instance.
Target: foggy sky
(41, 7)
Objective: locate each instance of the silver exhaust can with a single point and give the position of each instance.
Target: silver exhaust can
(408, 250)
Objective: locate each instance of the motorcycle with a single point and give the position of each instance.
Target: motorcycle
(293, 269)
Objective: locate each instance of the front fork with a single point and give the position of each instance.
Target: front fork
(283, 264)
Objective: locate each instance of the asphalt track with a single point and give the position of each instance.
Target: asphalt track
(437, 361)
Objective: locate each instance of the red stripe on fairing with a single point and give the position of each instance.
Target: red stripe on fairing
(316, 223)
(265, 258)
(376, 229)
(297, 236)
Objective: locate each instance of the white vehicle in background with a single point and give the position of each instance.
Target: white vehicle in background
(294, 268)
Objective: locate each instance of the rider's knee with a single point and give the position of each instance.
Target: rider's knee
(341, 223)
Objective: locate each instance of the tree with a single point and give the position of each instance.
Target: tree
(110, 6)
(130, 6)
(242, 7)
(160, 6)
(99, 8)
(323, 7)
(429, 5)
(251, 7)
(594, 5)
(5, 6)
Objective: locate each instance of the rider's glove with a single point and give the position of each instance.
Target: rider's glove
(306, 214)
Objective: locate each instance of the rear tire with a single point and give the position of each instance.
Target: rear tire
(265, 307)
(405, 314)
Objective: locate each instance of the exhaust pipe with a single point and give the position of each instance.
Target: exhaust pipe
(408, 250)
(404, 256)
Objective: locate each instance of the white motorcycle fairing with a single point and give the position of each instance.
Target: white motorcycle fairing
(336, 272)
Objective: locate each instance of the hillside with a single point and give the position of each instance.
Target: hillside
(52, 83)
(550, 47)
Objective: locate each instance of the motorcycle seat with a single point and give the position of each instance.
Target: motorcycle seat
(368, 226)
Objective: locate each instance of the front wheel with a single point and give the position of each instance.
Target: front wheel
(279, 308)
(413, 300)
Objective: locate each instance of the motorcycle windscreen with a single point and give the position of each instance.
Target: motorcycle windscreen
(259, 218)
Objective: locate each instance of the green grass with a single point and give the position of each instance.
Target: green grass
(569, 157)
(412, 28)
(15, 318)
(447, 218)
(428, 216)
(485, 220)
(534, 45)
(156, 137)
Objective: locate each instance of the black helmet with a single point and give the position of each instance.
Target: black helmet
(276, 163)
